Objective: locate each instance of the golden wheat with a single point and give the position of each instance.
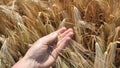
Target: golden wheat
(96, 24)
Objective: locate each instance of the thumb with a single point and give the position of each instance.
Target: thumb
(52, 36)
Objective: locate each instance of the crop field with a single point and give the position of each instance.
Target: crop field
(96, 25)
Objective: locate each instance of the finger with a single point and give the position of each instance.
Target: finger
(55, 53)
(61, 44)
(52, 36)
(65, 38)
(61, 30)
(66, 32)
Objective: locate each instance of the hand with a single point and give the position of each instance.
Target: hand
(44, 52)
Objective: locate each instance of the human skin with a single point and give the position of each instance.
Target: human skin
(40, 55)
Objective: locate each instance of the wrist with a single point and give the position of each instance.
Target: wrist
(26, 63)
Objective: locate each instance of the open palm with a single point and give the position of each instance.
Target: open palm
(45, 51)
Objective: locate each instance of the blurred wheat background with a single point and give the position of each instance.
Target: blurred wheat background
(96, 24)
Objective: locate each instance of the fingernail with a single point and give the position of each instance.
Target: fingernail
(63, 27)
(70, 29)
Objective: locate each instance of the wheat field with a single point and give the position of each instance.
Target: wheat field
(96, 24)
